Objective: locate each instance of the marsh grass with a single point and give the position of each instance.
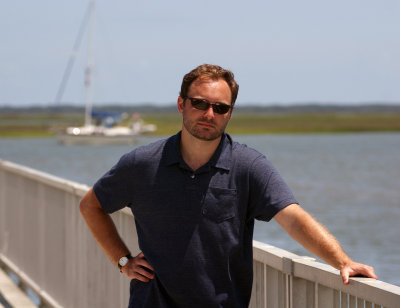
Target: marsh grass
(314, 123)
(47, 124)
(253, 123)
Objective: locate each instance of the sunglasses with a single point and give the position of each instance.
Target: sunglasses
(203, 104)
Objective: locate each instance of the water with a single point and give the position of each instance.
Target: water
(350, 183)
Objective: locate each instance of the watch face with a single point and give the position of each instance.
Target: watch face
(123, 261)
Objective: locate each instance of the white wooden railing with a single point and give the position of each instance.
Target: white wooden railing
(44, 241)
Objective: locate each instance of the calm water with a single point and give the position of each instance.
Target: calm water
(350, 183)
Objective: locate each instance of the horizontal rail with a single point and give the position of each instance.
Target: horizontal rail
(26, 283)
(305, 270)
(11, 295)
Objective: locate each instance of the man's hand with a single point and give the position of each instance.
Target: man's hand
(138, 268)
(355, 269)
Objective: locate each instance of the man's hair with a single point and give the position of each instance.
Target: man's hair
(213, 72)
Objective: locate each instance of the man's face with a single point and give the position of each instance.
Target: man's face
(206, 124)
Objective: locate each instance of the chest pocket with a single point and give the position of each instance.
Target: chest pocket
(220, 204)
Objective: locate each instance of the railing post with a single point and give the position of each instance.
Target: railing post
(265, 286)
(287, 269)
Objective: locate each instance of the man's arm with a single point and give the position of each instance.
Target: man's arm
(302, 227)
(104, 231)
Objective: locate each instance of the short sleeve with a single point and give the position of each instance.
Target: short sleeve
(112, 189)
(268, 191)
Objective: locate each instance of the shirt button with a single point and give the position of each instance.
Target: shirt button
(192, 176)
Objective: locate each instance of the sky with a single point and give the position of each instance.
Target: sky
(281, 52)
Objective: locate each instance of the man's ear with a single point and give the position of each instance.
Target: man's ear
(180, 104)
(230, 114)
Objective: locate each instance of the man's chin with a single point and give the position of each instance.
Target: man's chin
(203, 133)
(207, 136)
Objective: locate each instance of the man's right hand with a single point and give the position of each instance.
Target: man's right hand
(139, 268)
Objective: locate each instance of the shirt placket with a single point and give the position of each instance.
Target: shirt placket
(195, 188)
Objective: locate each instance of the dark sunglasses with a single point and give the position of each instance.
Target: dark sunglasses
(203, 104)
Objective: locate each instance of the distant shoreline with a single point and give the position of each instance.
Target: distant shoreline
(38, 121)
(239, 107)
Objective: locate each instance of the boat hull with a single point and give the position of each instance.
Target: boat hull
(67, 139)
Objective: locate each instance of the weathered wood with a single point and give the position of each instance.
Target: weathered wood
(303, 293)
(14, 296)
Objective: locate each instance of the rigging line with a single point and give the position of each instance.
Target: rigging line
(72, 57)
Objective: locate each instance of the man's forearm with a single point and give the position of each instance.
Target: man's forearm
(316, 239)
(303, 228)
(102, 227)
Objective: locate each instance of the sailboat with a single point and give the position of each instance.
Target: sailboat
(105, 131)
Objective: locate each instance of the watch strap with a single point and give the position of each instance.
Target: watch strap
(129, 256)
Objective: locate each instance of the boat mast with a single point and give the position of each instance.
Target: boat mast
(89, 67)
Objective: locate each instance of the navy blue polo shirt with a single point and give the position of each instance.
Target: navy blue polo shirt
(194, 228)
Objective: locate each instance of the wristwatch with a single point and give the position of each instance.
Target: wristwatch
(124, 261)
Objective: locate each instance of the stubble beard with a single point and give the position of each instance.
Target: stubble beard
(203, 133)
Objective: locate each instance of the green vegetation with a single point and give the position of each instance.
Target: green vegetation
(44, 123)
(38, 124)
(314, 123)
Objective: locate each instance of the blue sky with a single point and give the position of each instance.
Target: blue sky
(281, 52)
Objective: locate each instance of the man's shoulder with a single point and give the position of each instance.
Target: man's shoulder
(155, 150)
(152, 147)
(243, 152)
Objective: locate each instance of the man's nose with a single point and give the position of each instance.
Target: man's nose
(209, 113)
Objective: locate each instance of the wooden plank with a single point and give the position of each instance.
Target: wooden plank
(303, 293)
(273, 288)
(259, 274)
(3, 302)
(353, 302)
(336, 299)
(12, 293)
(328, 298)
(368, 305)
(343, 299)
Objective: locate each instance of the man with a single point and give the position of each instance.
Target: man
(195, 196)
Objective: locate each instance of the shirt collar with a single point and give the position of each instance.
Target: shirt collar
(221, 159)
(172, 153)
